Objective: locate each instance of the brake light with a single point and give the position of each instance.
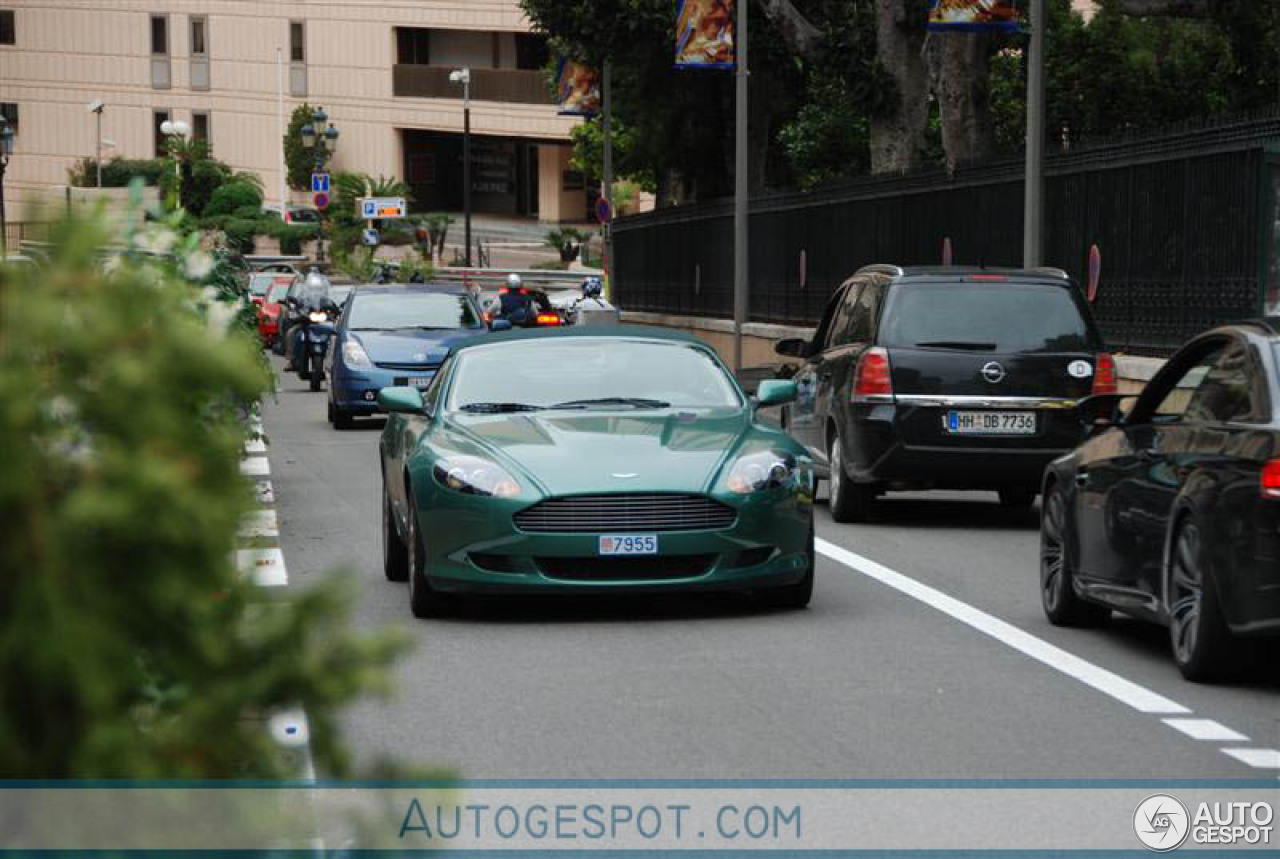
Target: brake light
(987, 277)
(548, 319)
(1105, 377)
(1271, 480)
(872, 379)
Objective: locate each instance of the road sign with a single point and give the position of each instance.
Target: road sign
(371, 237)
(320, 183)
(375, 208)
(603, 211)
(320, 200)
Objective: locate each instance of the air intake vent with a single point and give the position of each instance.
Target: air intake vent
(626, 514)
(607, 569)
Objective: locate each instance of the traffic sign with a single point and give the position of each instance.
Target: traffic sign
(320, 200)
(371, 237)
(376, 208)
(320, 183)
(1095, 272)
(603, 211)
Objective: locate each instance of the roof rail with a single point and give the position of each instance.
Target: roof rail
(1050, 271)
(882, 268)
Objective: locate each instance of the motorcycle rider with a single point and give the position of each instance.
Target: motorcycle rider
(516, 305)
(312, 294)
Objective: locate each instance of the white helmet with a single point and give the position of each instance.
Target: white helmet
(514, 281)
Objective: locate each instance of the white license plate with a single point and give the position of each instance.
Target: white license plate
(990, 423)
(420, 381)
(629, 544)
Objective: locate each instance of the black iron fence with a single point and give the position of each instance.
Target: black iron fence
(1186, 224)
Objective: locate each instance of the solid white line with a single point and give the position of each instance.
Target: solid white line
(1263, 759)
(1206, 729)
(255, 466)
(260, 523)
(1107, 682)
(265, 565)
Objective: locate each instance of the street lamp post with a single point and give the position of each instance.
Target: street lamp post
(463, 76)
(6, 149)
(177, 130)
(321, 139)
(96, 108)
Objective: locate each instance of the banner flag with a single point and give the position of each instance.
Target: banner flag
(577, 89)
(973, 15)
(705, 34)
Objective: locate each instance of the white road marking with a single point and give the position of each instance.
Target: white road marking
(255, 445)
(1108, 682)
(266, 495)
(1263, 759)
(255, 466)
(265, 565)
(259, 524)
(1206, 729)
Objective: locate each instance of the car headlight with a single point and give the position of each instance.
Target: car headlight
(472, 475)
(353, 355)
(318, 316)
(765, 470)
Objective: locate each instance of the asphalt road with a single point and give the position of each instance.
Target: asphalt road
(923, 654)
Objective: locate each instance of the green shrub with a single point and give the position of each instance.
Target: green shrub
(117, 172)
(241, 234)
(233, 198)
(292, 237)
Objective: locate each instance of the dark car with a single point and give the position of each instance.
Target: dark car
(1171, 512)
(394, 335)
(946, 378)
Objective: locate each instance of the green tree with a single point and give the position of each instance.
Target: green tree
(130, 646)
(299, 161)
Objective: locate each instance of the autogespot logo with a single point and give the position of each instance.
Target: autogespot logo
(1161, 823)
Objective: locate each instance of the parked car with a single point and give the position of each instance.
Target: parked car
(271, 309)
(592, 460)
(946, 378)
(297, 214)
(393, 335)
(1170, 512)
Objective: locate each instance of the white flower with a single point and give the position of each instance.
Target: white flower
(197, 265)
(155, 240)
(219, 316)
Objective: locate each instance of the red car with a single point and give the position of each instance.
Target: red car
(271, 307)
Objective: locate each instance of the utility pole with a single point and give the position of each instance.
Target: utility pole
(1033, 211)
(463, 76)
(741, 188)
(606, 130)
(98, 149)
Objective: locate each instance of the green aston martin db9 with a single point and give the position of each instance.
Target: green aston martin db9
(592, 460)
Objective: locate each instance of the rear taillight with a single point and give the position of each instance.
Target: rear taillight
(1105, 378)
(548, 319)
(1271, 480)
(872, 381)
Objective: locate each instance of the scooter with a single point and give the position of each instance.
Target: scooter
(314, 335)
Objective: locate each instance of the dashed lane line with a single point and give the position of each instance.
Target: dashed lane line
(1206, 729)
(1263, 759)
(266, 566)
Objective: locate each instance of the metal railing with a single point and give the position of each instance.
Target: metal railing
(514, 86)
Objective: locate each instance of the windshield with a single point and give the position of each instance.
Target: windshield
(991, 317)
(260, 283)
(429, 310)
(279, 290)
(584, 373)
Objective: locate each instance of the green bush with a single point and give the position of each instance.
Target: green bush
(117, 172)
(130, 645)
(241, 234)
(233, 198)
(292, 237)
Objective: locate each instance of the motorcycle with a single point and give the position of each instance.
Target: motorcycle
(315, 333)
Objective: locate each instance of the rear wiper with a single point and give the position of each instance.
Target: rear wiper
(958, 344)
(494, 408)
(635, 402)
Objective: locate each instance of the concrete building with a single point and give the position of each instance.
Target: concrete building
(380, 68)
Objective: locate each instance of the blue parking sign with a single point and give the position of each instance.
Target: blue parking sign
(319, 183)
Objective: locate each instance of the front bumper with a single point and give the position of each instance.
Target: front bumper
(357, 390)
(474, 548)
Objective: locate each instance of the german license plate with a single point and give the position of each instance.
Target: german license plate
(420, 381)
(629, 544)
(990, 423)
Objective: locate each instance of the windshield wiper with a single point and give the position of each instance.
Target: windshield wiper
(634, 402)
(496, 408)
(958, 344)
(423, 328)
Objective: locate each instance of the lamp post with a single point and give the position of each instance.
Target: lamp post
(96, 108)
(177, 131)
(463, 76)
(321, 139)
(6, 149)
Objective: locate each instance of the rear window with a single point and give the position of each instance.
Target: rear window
(994, 317)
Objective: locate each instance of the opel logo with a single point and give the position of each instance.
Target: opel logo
(993, 373)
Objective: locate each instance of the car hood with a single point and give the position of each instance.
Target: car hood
(407, 346)
(577, 452)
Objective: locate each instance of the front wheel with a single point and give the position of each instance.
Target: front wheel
(850, 502)
(1202, 644)
(1062, 606)
(317, 375)
(424, 602)
(395, 556)
(798, 595)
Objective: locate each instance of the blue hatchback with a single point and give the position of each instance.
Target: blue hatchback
(394, 335)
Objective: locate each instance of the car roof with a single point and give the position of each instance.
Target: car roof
(621, 332)
(935, 273)
(386, 288)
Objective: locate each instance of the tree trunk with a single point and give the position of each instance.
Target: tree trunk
(898, 128)
(960, 66)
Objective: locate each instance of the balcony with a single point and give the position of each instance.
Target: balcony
(512, 86)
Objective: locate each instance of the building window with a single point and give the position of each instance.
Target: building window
(159, 118)
(297, 42)
(199, 42)
(200, 125)
(159, 34)
(532, 53)
(413, 46)
(9, 111)
(8, 31)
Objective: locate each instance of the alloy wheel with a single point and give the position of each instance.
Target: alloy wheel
(1186, 591)
(837, 467)
(1053, 550)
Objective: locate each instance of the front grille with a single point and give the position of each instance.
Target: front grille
(625, 514)
(607, 569)
(421, 368)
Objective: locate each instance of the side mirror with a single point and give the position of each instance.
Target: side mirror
(776, 392)
(500, 325)
(1102, 411)
(401, 399)
(792, 347)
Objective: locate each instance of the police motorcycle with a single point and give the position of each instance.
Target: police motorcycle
(312, 314)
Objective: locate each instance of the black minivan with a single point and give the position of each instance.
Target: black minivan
(945, 378)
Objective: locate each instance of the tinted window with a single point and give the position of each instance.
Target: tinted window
(1229, 391)
(837, 334)
(546, 372)
(1177, 399)
(1000, 317)
(862, 321)
(392, 310)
